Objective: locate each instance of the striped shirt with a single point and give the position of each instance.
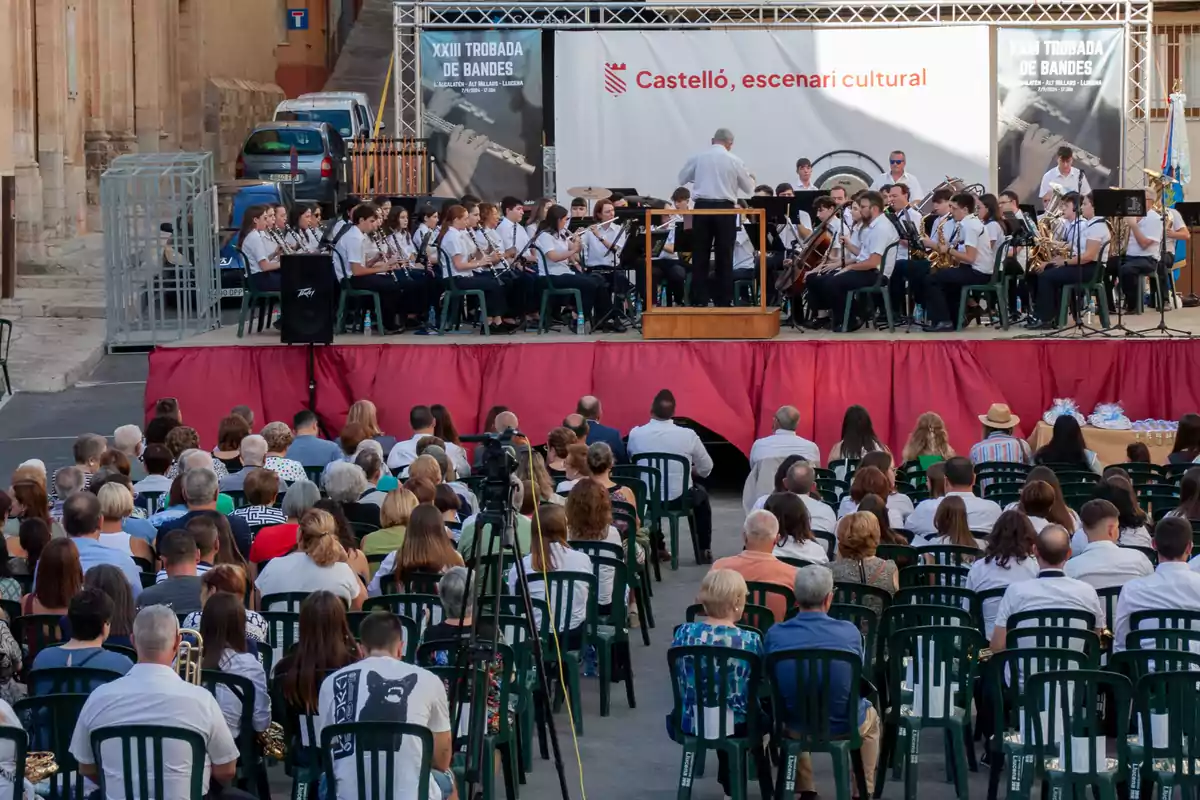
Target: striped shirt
(1001, 446)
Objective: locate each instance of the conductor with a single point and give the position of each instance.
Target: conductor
(717, 176)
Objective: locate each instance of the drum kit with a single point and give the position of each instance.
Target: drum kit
(594, 193)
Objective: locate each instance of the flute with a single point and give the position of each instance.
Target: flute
(465, 105)
(494, 150)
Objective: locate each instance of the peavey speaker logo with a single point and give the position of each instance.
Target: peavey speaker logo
(309, 292)
(614, 84)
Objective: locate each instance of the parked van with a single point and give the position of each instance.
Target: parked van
(341, 113)
(366, 113)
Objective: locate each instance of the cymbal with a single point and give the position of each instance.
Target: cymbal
(590, 192)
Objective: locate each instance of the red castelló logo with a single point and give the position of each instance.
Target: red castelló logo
(613, 82)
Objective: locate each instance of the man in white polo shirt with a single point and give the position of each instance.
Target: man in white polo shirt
(800, 480)
(784, 441)
(960, 477)
(829, 290)
(1172, 587)
(1101, 563)
(1069, 177)
(1143, 252)
(151, 693)
(1051, 591)
(897, 173)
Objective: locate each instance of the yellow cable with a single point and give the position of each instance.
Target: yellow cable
(562, 677)
(387, 80)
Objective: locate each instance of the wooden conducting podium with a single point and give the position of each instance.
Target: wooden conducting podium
(739, 322)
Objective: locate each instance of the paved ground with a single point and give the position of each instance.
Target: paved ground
(626, 755)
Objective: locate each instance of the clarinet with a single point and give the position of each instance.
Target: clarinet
(385, 251)
(502, 267)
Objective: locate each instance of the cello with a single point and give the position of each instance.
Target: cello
(808, 257)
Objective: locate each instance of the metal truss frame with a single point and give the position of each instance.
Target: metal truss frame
(1134, 17)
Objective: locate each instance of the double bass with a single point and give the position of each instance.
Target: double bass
(808, 257)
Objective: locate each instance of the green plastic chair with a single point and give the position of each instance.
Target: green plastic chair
(951, 596)
(153, 502)
(760, 593)
(381, 741)
(37, 632)
(754, 618)
(252, 299)
(1166, 619)
(931, 651)
(251, 768)
(314, 474)
(50, 721)
(1061, 628)
(848, 467)
(348, 290)
(1095, 286)
(546, 281)
(1004, 677)
(1076, 693)
(128, 652)
(146, 743)
(1108, 599)
(953, 555)
(860, 594)
(426, 609)
(673, 510)
(903, 555)
(1171, 761)
(803, 724)
(612, 629)
(1142, 474)
(649, 513)
(284, 601)
(713, 672)
(879, 287)
(560, 588)
(238, 497)
(453, 297)
(933, 575)
(491, 572)
(1003, 485)
(996, 285)
(283, 631)
(867, 621)
(415, 583)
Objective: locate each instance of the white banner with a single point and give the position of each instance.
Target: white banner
(631, 106)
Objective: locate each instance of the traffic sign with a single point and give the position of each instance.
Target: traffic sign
(297, 19)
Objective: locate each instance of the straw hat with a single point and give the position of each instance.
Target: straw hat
(999, 416)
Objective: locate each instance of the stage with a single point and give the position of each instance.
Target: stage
(732, 388)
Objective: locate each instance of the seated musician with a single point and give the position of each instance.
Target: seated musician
(515, 239)
(911, 268)
(578, 208)
(668, 266)
(1015, 260)
(820, 256)
(1143, 252)
(972, 253)
(861, 271)
(1085, 236)
(261, 252)
(745, 259)
(558, 248)
(350, 262)
(462, 262)
(303, 234)
(601, 255)
(518, 284)
(418, 284)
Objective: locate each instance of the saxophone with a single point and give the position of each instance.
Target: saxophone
(1046, 246)
(937, 259)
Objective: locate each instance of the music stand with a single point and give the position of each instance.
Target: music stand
(1162, 328)
(575, 223)
(1118, 204)
(777, 208)
(1083, 329)
(1190, 212)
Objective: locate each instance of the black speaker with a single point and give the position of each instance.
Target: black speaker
(309, 298)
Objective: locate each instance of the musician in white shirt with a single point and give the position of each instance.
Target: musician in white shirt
(602, 243)
(804, 182)
(875, 254)
(415, 281)
(302, 234)
(1143, 253)
(827, 216)
(909, 270)
(261, 253)
(667, 266)
(555, 248)
(468, 267)
(717, 177)
(1017, 257)
(1070, 178)
(350, 261)
(425, 235)
(897, 174)
(1087, 238)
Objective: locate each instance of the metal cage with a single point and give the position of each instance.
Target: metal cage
(160, 248)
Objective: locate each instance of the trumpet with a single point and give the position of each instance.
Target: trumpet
(191, 654)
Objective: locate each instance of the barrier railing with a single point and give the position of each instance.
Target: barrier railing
(389, 166)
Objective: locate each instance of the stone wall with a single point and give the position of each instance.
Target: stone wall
(232, 108)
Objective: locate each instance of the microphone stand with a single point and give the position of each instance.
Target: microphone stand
(1162, 329)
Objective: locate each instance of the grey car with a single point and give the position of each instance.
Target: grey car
(321, 161)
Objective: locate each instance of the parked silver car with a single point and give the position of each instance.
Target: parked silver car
(321, 168)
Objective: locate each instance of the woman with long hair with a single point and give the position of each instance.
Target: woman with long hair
(1007, 559)
(1189, 496)
(396, 234)
(796, 539)
(1060, 513)
(443, 424)
(1132, 519)
(426, 548)
(365, 414)
(950, 522)
(929, 439)
(30, 501)
(426, 233)
(223, 629)
(112, 581)
(325, 645)
(871, 479)
(1067, 448)
(557, 442)
(555, 249)
(858, 437)
(935, 479)
(550, 552)
(394, 514)
(319, 563)
(355, 557)
(589, 519)
(538, 214)
(1186, 447)
(575, 467)
(59, 578)
(875, 504)
(259, 250)
(533, 468)
(467, 268)
(26, 547)
(303, 232)
(1044, 506)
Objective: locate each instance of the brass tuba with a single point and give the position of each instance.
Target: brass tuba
(1045, 246)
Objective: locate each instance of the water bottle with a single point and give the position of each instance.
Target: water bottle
(367, 324)
(579, 325)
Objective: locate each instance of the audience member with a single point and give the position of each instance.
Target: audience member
(253, 455)
(158, 428)
(951, 526)
(929, 441)
(397, 507)
(662, 435)
(800, 479)
(111, 581)
(935, 479)
(1119, 491)
(448, 505)
(355, 558)
(1172, 587)
(858, 438)
(319, 563)
(364, 413)
(871, 478)
(1100, 562)
(348, 695)
(345, 484)
(590, 409)
(60, 577)
(589, 519)
(180, 440)
(30, 501)
(157, 459)
(245, 412)
(813, 629)
(723, 595)
(858, 536)
(875, 505)
(307, 447)
(81, 518)
(999, 440)
(278, 437)
(796, 538)
(87, 451)
(557, 442)
(277, 540)
(554, 554)
(1054, 591)
(1043, 506)
(205, 532)
(228, 579)
(577, 425)
(116, 505)
(114, 460)
(180, 592)
(371, 463)
(151, 693)
(423, 424)
(523, 501)
(1007, 559)
(325, 645)
(230, 433)
(223, 629)
(200, 491)
(784, 441)
(1067, 448)
(426, 550)
(1137, 453)
(575, 467)
(1186, 447)
(90, 615)
(67, 481)
(26, 547)
(1189, 496)
(261, 488)
(757, 562)
(960, 478)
